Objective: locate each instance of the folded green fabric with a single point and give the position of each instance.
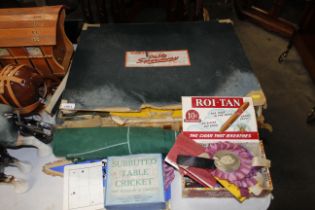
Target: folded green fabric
(97, 143)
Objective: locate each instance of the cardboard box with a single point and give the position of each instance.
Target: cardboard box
(191, 188)
(208, 117)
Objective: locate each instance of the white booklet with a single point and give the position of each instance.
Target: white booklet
(83, 187)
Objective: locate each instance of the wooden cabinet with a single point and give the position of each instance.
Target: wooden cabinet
(265, 15)
(304, 40)
(300, 29)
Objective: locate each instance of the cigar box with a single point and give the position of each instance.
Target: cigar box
(210, 117)
(191, 188)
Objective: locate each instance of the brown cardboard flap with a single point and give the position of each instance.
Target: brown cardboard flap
(36, 26)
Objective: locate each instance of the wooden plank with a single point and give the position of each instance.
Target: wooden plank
(268, 22)
(55, 67)
(21, 37)
(4, 52)
(19, 51)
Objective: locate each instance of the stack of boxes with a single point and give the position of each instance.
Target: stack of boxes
(226, 127)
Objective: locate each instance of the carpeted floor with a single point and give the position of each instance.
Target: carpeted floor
(290, 95)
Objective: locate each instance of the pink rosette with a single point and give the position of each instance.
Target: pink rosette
(233, 163)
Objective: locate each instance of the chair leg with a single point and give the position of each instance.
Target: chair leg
(311, 116)
(284, 55)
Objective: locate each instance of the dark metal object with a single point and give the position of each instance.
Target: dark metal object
(33, 126)
(311, 116)
(284, 55)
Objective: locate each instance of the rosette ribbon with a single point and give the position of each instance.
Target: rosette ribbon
(235, 164)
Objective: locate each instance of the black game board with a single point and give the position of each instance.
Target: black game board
(99, 78)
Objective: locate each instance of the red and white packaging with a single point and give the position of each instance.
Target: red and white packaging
(219, 118)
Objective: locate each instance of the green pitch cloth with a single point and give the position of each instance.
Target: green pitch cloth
(97, 143)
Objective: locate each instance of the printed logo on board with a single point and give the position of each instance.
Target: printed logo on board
(192, 116)
(157, 58)
(164, 58)
(212, 102)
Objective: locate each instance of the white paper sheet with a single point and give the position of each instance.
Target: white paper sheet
(83, 187)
